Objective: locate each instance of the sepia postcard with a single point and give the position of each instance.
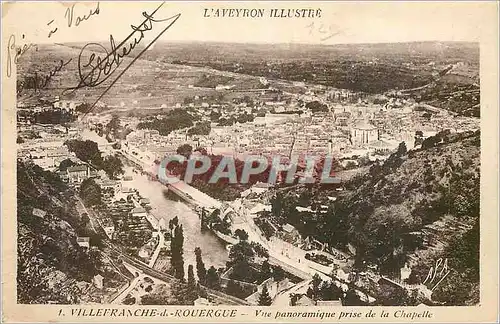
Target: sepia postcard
(271, 161)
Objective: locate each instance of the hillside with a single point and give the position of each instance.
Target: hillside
(416, 207)
(52, 267)
(410, 191)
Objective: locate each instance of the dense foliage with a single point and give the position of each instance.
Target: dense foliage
(177, 246)
(50, 262)
(88, 151)
(173, 120)
(385, 212)
(264, 297)
(90, 192)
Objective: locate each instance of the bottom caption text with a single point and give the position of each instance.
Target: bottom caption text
(233, 313)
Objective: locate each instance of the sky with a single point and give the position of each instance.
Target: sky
(340, 22)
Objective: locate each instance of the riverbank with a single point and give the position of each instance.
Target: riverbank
(213, 250)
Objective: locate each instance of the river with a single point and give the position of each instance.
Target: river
(214, 251)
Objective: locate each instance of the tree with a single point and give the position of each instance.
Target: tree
(19, 140)
(241, 234)
(212, 280)
(176, 259)
(90, 192)
(278, 273)
(65, 164)
(191, 289)
(461, 287)
(265, 270)
(84, 220)
(402, 150)
(316, 282)
(226, 121)
(264, 298)
(83, 108)
(185, 150)
(351, 298)
(201, 128)
(113, 166)
(200, 266)
(430, 142)
(310, 293)
(276, 204)
(113, 125)
(154, 299)
(173, 223)
(214, 115)
(316, 106)
(245, 118)
(175, 119)
(87, 151)
(242, 252)
(240, 257)
(191, 281)
(235, 289)
(202, 150)
(329, 291)
(129, 300)
(260, 250)
(294, 298)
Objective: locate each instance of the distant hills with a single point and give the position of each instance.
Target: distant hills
(443, 52)
(370, 68)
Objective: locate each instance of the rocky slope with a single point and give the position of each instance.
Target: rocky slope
(52, 267)
(414, 208)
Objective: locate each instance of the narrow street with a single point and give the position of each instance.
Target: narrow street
(279, 250)
(119, 299)
(283, 298)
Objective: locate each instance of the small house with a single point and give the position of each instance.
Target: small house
(98, 281)
(202, 302)
(77, 174)
(83, 242)
(139, 212)
(304, 301)
(39, 213)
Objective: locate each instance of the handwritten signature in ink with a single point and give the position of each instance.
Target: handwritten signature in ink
(96, 64)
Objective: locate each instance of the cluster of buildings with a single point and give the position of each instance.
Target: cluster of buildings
(46, 104)
(126, 218)
(44, 144)
(344, 131)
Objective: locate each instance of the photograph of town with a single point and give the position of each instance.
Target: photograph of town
(95, 223)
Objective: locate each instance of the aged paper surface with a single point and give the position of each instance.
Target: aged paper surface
(250, 162)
